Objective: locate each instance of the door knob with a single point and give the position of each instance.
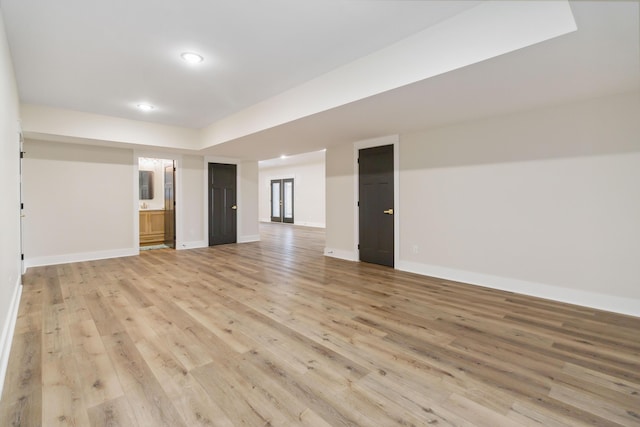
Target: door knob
(389, 212)
(234, 207)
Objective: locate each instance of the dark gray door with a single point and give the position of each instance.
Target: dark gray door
(376, 205)
(170, 206)
(222, 204)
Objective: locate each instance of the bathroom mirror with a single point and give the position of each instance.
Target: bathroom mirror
(145, 179)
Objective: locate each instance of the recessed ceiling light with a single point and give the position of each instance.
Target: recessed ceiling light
(191, 58)
(283, 157)
(146, 107)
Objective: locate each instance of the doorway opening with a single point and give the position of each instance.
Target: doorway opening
(157, 203)
(282, 200)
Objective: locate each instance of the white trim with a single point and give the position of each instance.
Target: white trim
(80, 257)
(341, 254)
(300, 223)
(8, 331)
(310, 224)
(178, 198)
(192, 245)
(377, 142)
(629, 306)
(239, 206)
(248, 239)
(136, 198)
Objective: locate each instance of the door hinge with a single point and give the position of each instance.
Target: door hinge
(174, 169)
(21, 206)
(21, 257)
(22, 153)
(358, 203)
(358, 246)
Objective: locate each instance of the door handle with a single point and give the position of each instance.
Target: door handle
(234, 207)
(388, 212)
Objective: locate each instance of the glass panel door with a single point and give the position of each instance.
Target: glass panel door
(276, 200)
(287, 200)
(282, 200)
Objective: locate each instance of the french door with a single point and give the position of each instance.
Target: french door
(282, 200)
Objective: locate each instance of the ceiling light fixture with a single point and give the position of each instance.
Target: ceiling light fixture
(191, 58)
(283, 157)
(146, 107)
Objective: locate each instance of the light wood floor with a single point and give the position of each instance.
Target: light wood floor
(274, 333)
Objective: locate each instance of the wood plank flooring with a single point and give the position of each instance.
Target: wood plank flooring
(273, 333)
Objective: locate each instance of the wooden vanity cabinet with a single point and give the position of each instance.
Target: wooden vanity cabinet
(151, 227)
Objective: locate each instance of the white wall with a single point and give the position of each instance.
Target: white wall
(191, 216)
(78, 202)
(10, 270)
(308, 189)
(545, 202)
(248, 230)
(88, 208)
(82, 202)
(340, 202)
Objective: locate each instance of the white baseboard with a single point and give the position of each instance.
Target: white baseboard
(300, 223)
(79, 257)
(310, 224)
(192, 245)
(341, 254)
(7, 332)
(629, 306)
(248, 239)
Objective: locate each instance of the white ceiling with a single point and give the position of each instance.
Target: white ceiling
(602, 57)
(105, 57)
